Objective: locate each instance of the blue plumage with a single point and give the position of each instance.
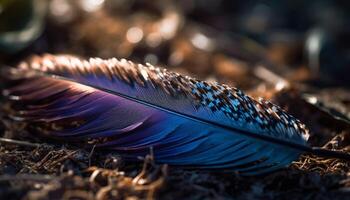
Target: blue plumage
(130, 108)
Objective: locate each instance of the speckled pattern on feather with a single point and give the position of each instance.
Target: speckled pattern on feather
(232, 102)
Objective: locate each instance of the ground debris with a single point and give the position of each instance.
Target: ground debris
(63, 173)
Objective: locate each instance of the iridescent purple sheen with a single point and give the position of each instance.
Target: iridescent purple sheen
(134, 128)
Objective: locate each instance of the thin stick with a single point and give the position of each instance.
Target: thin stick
(62, 158)
(330, 153)
(18, 142)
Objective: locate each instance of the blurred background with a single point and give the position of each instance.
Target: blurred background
(249, 44)
(295, 53)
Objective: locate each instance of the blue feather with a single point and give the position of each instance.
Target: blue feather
(130, 108)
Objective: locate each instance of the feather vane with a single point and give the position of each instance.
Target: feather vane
(130, 108)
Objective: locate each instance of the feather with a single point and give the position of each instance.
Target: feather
(130, 108)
